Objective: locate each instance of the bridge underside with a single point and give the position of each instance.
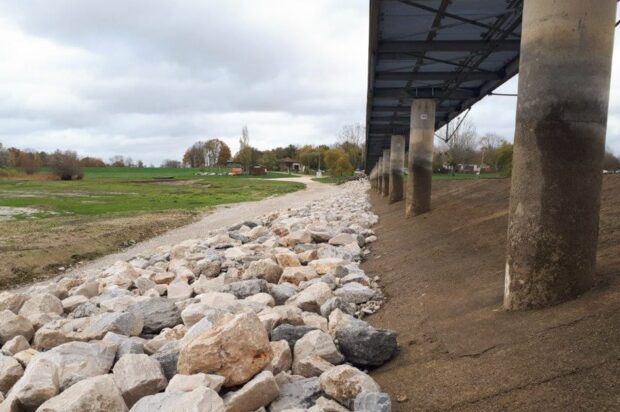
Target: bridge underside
(453, 51)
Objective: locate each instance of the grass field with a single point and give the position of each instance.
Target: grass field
(48, 224)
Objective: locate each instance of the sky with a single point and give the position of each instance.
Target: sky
(147, 78)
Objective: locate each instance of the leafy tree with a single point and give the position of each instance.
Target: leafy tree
(351, 141)
(504, 160)
(66, 165)
(246, 152)
(91, 162)
(4, 156)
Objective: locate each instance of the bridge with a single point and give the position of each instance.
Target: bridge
(430, 60)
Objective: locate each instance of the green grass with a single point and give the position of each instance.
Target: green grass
(133, 190)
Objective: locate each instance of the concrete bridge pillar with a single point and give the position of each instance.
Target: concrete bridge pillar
(380, 174)
(385, 185)
(397, 162)
(565, 68)
(420, 165)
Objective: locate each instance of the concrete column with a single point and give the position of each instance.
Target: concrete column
(420, 165)
(397, 162)
(379, 174)
(385, 185)
(565, 67)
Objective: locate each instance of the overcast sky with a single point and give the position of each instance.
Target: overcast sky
(147, 78)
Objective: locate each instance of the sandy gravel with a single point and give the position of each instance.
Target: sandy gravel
(222, 216)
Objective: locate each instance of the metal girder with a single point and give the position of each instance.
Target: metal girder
(422, 93)
(389, 130)
(443, 76)
(446, 46)
(390, 109)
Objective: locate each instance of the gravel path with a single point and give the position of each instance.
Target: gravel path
(222, 216)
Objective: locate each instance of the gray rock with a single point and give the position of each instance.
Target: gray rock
(355, 293)
(123, 323)
(366, 346)
(246, 288)
(137, 375)
(124, 344)
(43, 303)
(85, 310)
(290, 333)
(201, 399)
(281, 293)
(158, 313)
(256, 393)
(372, 402)
(337, 303)
(168, 357)
(301, 393)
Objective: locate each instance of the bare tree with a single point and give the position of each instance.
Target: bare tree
(462, 145)
(351, 140)
(245, 150)
(489, 147)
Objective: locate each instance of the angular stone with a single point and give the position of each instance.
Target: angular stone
(258, 392)
(316, 343)
(311, 366)
(281, 293)
(338, 320)
(343, 383)
(311, 298)
(10, 371)
(290, 333)
(24, 357)
(300, 393)
(80, 360)
(314, 321)
(96, 394)
(121, 303)
(187, 383)
(261, 298)
(355, 293)
(288, 259)
(372, 402)
(166, 336)
(337, 303)
(88, 289)
(15, 345)
(308, 256)
(179, 290)
(39, 383)
(43, 303)
(168, 357)
(12, 301)
(296, 275)
(201, 399)
(137, 375)
(265, 269)
(327, 405)
(124, 323)
(366, 346)
(124, 344)
(208, 268)
(69, 304)
(282, 357)
(246, 288)
(326, 265)
(237, 349)
(193, 313)
(158, 313)
(295, 238)
(12, 325)
(342, 239)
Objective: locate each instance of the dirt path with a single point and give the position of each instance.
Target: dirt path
(222, 216)
(459, 351)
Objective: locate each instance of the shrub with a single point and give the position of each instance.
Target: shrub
(66, 165)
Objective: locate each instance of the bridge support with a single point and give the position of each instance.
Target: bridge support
(565, 68)
(420, 163)
(385, 185)
(397, 162)
(380, 175)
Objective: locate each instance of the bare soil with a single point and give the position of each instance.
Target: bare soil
(32, 250)
(443, 273)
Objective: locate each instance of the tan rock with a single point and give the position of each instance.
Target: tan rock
(315, 320)
(262, 298)
(236, 348)
(10, 371)
(39, 383)
(179, 290)
(96, 394)
(343, 383)
(12, 325)
(72, 302)
(282, 357)
(311, 366)
(138, 375)
(43, 303)
(316, 343)
(311, 298)
(12, 301)
(326, 265)
(88, 289)
(15, 345)
(257, 393)
(201, 399)
(24, 357)
(287, 259)
(298, 274)
(308, 256)
(187, 383)
(265, 269)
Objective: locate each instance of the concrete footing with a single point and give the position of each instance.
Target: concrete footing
(397, 162)
(565, 67)
(420, 164)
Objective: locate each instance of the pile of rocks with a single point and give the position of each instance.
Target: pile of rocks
(264, 315)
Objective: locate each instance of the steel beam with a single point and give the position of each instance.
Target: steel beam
(422, 93)
(446, 46)
(443, 76)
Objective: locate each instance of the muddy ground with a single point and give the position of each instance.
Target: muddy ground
(32, 250)
(443, 274)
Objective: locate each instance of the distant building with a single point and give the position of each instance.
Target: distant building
(258, 170)
(290, 165)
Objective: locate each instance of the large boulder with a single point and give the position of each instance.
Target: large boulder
(290, 333)
(311, 298)
(355, 293)
(372, 402)
(123, 323)
(137, 375)
(282, 357)
(12, 325)
(297, 274)
(157, 313)
(246, 288)
(255, 394)
(77, 361)
(96, 394)
(366, 346)
(316, 344)
(343, 383)
(237, 348)
(15, 345)
(326, 265)
(200, 399)
(187, 383)
(12, 301)
(43, 303)
(39, 383)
